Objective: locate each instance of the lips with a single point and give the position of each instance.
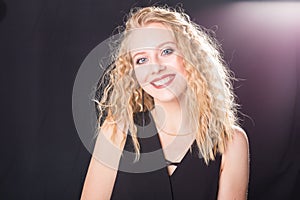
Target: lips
(163, 81)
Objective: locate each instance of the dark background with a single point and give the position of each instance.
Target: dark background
(43, 43)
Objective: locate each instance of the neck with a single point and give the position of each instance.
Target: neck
(171, 117)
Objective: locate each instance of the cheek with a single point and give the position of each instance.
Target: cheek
(141, 75)
(181, 66)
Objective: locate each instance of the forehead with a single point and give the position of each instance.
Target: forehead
(149, 37)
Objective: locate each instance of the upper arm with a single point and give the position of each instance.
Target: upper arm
(99, 181)
(234, 173)
(103, 166)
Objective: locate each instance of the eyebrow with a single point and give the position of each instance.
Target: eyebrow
(158, 46)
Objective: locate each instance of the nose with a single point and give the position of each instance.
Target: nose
(157, 62)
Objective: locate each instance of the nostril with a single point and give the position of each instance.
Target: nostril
(156, 68)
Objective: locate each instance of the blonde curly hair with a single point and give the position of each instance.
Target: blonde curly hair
(211, 104)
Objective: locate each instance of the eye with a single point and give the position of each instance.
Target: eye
(167, 51)
(141, 61)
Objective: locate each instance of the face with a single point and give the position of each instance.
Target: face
(157, 62)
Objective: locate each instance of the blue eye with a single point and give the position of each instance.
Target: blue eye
(167, 51)
(141, 61)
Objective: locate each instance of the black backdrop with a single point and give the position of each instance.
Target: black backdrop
(43, 43)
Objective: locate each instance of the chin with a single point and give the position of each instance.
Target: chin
(166, 94)
(166, 97)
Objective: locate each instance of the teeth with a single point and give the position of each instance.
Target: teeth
(162, 81)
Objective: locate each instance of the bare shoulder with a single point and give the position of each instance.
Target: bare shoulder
(234, 172)
(112, 130)
(239, 139)
(104, 163)
(237, 147)
(110, 143)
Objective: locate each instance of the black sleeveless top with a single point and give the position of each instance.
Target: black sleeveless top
(148, 178)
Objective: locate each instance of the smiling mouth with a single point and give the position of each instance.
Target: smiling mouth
(163, 81)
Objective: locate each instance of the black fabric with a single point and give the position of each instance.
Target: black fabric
(192, 179)
(43, 43)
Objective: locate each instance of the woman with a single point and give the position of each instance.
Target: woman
(169, 102)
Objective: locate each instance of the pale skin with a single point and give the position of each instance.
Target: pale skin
(234, 170)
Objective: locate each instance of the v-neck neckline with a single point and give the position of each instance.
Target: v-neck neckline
(187, 151)
(178, 166)
(181, 162)
(157, 136)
